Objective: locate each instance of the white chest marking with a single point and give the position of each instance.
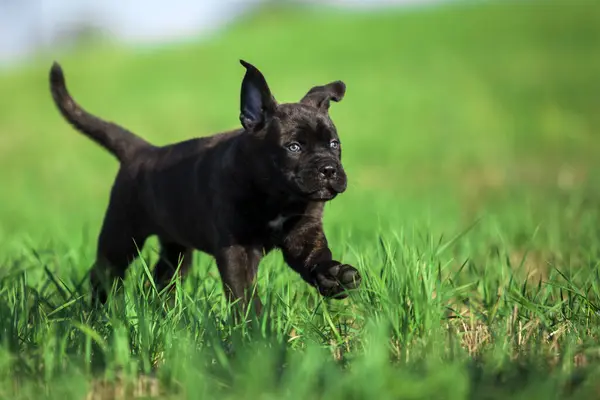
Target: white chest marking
(277, 223)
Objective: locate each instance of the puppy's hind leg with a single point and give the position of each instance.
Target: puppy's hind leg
(119, 244)
(172, 256)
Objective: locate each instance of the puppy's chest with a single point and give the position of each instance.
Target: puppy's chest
(271, 224)
(277, 220)
(266, 232)
(278, 227)
(276, 224)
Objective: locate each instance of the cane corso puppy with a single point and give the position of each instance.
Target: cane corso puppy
(235, 195)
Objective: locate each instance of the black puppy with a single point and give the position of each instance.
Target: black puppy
(235, 195)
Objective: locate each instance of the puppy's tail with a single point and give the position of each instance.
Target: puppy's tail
(116, 139)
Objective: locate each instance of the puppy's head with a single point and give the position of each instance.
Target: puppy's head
(298, 142)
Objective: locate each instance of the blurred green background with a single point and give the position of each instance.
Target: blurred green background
(456, 114)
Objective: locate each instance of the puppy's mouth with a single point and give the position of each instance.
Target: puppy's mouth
(322, 195)
(329, 192)
(316, 190)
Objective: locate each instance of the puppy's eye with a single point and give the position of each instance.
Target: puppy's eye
(294, 147)
(334, 144)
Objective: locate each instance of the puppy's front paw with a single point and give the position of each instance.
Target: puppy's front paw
(333, 280)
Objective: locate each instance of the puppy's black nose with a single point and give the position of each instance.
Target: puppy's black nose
(328, 171)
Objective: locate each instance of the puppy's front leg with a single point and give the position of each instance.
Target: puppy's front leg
(238, 266)
(305, 249)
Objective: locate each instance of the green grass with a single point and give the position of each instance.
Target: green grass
(470, 139)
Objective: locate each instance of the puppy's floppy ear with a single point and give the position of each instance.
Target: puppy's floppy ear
(257, 103)
(320, 96)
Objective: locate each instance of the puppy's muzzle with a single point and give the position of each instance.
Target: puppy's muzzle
(332, 177)
(328, 171)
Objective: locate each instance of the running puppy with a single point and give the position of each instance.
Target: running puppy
(235, 195)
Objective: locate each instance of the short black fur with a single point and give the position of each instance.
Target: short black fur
(235, 195)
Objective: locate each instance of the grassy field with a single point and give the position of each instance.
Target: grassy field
(471, 141)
